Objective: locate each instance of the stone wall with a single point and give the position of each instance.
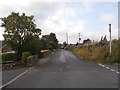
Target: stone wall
(32, 60)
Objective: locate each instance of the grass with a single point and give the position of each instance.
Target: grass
(98, 53)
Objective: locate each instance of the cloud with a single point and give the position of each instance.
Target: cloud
(61, 18)
(60, 25)
(87, 7)
(96, 35)
(107, 17)
(41, 10)
(38, 9)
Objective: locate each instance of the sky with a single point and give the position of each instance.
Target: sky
(90, 18)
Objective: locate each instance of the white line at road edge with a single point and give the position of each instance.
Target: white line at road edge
(109, 68)
(11, 81)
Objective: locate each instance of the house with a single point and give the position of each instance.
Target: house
(4, 47)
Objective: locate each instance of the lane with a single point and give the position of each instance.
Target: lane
(10, 74)
(65, 70)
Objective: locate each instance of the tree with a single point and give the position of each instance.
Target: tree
(87, 40)
(64, 44)
(53, 40)
(19, 32)
(77, 43)
(33, 45)
(49, 41)
(105, 39)
(44, 41)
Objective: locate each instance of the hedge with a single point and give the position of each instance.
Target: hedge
(8, 56)
(24, 57)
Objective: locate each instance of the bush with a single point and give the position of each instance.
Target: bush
(24, 57)
(8, 57)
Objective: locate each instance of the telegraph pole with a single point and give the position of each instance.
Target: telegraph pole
(67, 38)
(110, 37)
(79, 38)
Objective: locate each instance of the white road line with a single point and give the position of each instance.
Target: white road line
(8, 83)
(107, 67)
(99, 64)
(103, 65)
(112, 70)
(118, 72)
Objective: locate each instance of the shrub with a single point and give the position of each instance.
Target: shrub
(8, 57)
(24, 57)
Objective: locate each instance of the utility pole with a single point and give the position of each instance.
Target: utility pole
(79, 38)
(110, 37)
(67, 38)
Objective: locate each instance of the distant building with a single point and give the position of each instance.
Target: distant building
(4, 47)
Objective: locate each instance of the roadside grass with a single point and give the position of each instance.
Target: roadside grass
(98, 53)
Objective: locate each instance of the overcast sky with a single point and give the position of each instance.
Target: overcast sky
(91, 19)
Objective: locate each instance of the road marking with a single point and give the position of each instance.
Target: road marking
(118, 72)
(107, 67)
(8, 83)
(112, 70)
(100, 64)
(103, 65)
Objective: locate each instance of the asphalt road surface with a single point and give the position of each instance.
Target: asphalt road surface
(10, 74)
(63, 69)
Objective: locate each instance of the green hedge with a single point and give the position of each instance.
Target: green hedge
(24, 56)
(8, 56)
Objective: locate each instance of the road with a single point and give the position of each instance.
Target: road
(10, 74)
(63, 69)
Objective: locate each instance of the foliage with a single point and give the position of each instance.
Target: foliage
(81, 52)
(70, 47)
(20, 32)
(49, 41)
(99, 53)
(32, 44)
(64, 44)
(87, 40)
(8, 56)
(24, 56)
